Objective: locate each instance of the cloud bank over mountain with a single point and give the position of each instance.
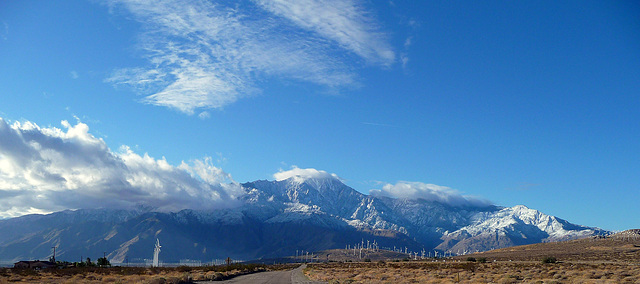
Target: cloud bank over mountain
(205, 55)
(300, 175)
(430, 192)
(45, 169)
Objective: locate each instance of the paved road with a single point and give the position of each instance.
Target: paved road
(294, 276)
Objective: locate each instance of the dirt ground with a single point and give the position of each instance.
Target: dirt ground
(141, 275)
(599, 250)
(592, 260)
(473, 272)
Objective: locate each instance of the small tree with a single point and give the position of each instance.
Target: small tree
(103, 261)
(549, 259)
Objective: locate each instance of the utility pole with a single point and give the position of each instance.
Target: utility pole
(54, 253)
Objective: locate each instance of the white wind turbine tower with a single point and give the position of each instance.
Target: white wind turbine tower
(156, 253)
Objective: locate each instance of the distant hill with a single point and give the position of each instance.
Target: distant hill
(277, 218)
(619, 247)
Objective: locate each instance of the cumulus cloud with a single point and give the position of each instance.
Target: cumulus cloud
(45, 169)
(430, 192)
(300, 175)
(205, 55)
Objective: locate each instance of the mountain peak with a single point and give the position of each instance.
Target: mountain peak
(309, 208)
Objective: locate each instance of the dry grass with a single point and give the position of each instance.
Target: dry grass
(610, 260)
(610, 250)
(130, 274)
(461, 272)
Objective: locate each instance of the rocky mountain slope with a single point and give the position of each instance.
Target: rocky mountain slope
(276, 219)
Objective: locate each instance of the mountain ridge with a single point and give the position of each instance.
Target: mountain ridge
(276, 218)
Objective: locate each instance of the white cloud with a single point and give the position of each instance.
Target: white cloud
(300, 175)
(407, 42)
(5, 31)
(206, 55)
(343, 21)
(430, 192)
(405, 60)
(204, 115)
(51, 169)
(73, 74)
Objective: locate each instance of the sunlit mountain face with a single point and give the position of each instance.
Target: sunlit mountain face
(276, 218)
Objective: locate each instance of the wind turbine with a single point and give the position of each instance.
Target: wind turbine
(156, 253)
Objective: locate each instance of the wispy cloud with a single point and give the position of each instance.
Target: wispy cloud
(380, 124)
(45, 169)
(407, 42)
(4, 33)
(430, 192)
(525, 186)
(204, 115)
(74, 74)
(346, 22)
(206, 55)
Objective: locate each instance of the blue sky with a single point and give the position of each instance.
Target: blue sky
(516, 102)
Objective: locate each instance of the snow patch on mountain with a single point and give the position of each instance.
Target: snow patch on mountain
(302, 208)
(436, 216)
(513, 226)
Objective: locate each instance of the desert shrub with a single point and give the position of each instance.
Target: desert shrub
(367, 260)
(26, 272)
(158, 281)
(472, 259)
(242, 267)
(549, 259)
(482, 259)
(507, 280)
(184, 268)
(217, 276)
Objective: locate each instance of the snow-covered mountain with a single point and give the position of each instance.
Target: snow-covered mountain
(433, 224)
(511, 226)
(277, 218)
